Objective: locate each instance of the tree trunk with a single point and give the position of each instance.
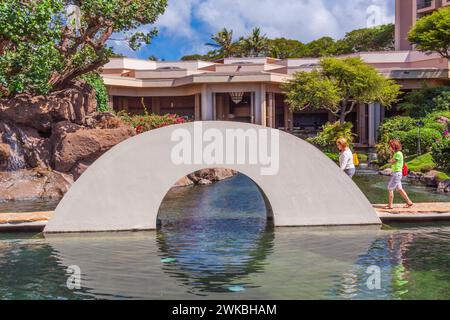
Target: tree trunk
(342, 114)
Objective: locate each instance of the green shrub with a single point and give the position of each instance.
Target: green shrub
(326, 139)
(405, 129)
(394, 124)
(409, 140)
(362, 157)
(442, 101)
(96, 82)
(419, 103)
(441, 153)
(333, 156)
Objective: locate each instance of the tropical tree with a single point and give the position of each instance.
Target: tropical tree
(255, 45)
(46, 44)
(338, 86)
(379, 38)
(432, 33)
(282, 48)
(321, 47)
(223, 42)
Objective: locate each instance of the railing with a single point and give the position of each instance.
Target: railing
(422, 4)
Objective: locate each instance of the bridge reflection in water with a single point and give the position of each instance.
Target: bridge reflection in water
(212, 241)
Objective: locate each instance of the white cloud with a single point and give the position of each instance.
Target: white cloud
(300, 19)
(306, 19)
(187, 24)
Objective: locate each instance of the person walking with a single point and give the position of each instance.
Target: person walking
(345, 157)
(395, 183)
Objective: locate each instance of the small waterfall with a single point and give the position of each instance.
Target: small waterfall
(16, 159)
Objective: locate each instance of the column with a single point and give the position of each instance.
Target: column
(263, 106)
(207, 103)
(361, 130)
(378, 118)
(372, 127)
(252, 107)
(156, 105)
(257, 112)
(197, 107)
(271, 110)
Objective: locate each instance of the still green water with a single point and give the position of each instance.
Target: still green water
(216, 243)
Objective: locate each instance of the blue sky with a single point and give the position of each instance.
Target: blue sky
(188, 24)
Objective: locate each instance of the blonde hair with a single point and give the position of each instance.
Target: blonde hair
(342, 142)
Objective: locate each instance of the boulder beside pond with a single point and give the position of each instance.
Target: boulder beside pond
(386, 172)
(23, 185)
(443, 186)
(205, 177)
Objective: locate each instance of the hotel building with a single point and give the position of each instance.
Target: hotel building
(250, 89)
(407, 12)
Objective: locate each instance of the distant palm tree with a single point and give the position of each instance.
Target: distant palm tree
(256, 44)
(223, 41)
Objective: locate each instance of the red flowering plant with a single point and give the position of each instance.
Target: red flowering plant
(150, 121)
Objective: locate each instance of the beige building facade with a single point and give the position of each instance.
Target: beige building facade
(249, 90)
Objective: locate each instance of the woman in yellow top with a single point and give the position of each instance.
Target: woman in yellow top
(396, 179)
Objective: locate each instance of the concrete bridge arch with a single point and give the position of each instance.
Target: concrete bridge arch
(124, 188)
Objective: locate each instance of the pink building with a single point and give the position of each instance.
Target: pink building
(406, 14)
(249, 89)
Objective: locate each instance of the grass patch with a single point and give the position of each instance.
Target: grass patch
(442, 176)
(423, 163)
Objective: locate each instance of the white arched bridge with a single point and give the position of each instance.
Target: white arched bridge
(124, 188)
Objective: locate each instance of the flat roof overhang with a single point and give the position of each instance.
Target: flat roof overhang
(196, 79)
(417, 74)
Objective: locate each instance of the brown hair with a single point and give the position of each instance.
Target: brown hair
(395, 145)
(342, 142)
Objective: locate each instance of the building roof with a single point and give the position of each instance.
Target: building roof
(130, 72)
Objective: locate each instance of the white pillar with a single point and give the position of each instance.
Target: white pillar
(374, 122)
(271, 103)
(207, 103)
(263, 106)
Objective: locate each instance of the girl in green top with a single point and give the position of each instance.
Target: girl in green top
(395, 183)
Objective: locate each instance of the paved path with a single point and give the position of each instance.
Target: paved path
(437, 211)
(436, 207)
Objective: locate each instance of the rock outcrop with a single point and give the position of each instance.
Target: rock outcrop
(76, 147)
(386, 172)
(443, 186)
(73, 104)
(205, 177)
(33, 184)
(46, 143)
(52, 136)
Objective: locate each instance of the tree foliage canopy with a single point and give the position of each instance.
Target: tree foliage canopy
(339, 85)
(432, 33)
(46, 44)
(369, 39)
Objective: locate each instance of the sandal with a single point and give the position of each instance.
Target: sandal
(408, 205)
(387, 208)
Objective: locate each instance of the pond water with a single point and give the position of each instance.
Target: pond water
(216, 243)
(374, 187)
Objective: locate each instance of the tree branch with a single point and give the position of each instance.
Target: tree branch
(352, 106)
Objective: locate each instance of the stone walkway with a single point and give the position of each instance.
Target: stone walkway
(436, 207)
(437, 211)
